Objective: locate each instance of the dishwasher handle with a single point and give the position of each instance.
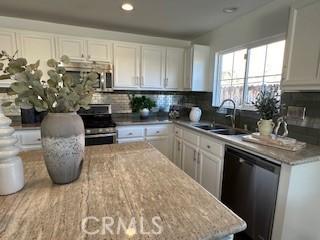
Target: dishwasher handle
(252, 159)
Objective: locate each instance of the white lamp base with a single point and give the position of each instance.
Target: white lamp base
(11, 176)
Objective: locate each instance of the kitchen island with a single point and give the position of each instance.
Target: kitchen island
(124, 191)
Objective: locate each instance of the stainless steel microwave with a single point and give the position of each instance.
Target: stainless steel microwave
(104, 81)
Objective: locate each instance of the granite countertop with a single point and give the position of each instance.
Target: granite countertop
(309, 154)
(117, 181)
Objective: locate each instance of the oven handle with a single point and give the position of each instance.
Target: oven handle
(101, 135)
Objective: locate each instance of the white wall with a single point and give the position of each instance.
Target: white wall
(41, 26)
(269, 20)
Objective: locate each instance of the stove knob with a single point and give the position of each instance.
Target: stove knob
(100, 130)
(88, 131)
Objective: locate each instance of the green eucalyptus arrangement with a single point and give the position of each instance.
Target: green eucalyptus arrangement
(61, 93)
(138, 103)
(267, 103)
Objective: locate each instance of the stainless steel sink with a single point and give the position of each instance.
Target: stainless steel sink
(230, 131)
(211, 127)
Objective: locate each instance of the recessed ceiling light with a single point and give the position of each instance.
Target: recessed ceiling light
(230, 9)
(127, 6)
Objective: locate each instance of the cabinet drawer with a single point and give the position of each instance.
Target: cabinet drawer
(130, 140)
(190, 137)
(178, 132)
(134, 132)
(157, 130)
(30, 137)
(212, 146)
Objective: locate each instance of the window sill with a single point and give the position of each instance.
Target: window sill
(241, 108)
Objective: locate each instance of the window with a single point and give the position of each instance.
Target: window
(243, 72)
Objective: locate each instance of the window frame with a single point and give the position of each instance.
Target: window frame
(218, 66)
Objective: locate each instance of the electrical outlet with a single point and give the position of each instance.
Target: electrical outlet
(296, 112)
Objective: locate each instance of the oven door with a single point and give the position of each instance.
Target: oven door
(99, 139)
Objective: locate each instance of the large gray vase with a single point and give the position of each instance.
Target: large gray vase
(63, 143)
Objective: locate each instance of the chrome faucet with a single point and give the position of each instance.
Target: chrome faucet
(233, 116)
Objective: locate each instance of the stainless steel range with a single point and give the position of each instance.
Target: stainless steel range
(99, 126)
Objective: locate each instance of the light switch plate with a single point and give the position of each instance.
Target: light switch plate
(296, 112)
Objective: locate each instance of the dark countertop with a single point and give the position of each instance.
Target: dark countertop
(310, 153)
(134, 119)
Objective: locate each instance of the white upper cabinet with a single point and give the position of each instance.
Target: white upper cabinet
(99, 50)
(37, 46)
(197, 73)
(73, 47)
(152, 67)
(302, 59)
(7, 43)
(174, 68)
(126, 65)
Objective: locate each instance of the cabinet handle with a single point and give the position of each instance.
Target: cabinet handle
(208, 146)
(158, 132)
(198, 161)
(38, 139)
(82, 55)
(179, 146)
(142, 80)
(137, 80)
(194, 155)
(130, 133)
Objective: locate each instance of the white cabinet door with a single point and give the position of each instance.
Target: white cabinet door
(37, 46)
(302, 61)
(177, 152)
(99, 50)
(152, 67)
(162, 144)
(210, 171)
(8, 44)
(201, 68)
(174, 68)
(73, 47)
(126, 65)
(189, 159)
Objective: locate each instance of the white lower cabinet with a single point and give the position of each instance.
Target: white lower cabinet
(177, 152)
(159, 135)
(201, 158)
(189, 159)
(28, 139)
(210, 172)
(162, 144)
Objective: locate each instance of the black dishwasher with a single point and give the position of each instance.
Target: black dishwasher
(249, 188)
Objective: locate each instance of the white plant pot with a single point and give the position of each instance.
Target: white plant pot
(265, 127)
(144, 113)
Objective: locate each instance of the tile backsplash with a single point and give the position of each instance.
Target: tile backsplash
(121, 103)
(307, 130)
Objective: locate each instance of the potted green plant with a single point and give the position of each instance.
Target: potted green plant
(62, 130)
(267, 104)
(142, 105)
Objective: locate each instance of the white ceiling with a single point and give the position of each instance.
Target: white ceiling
(184, 19)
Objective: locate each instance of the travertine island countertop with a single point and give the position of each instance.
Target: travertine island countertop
(117, 181)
